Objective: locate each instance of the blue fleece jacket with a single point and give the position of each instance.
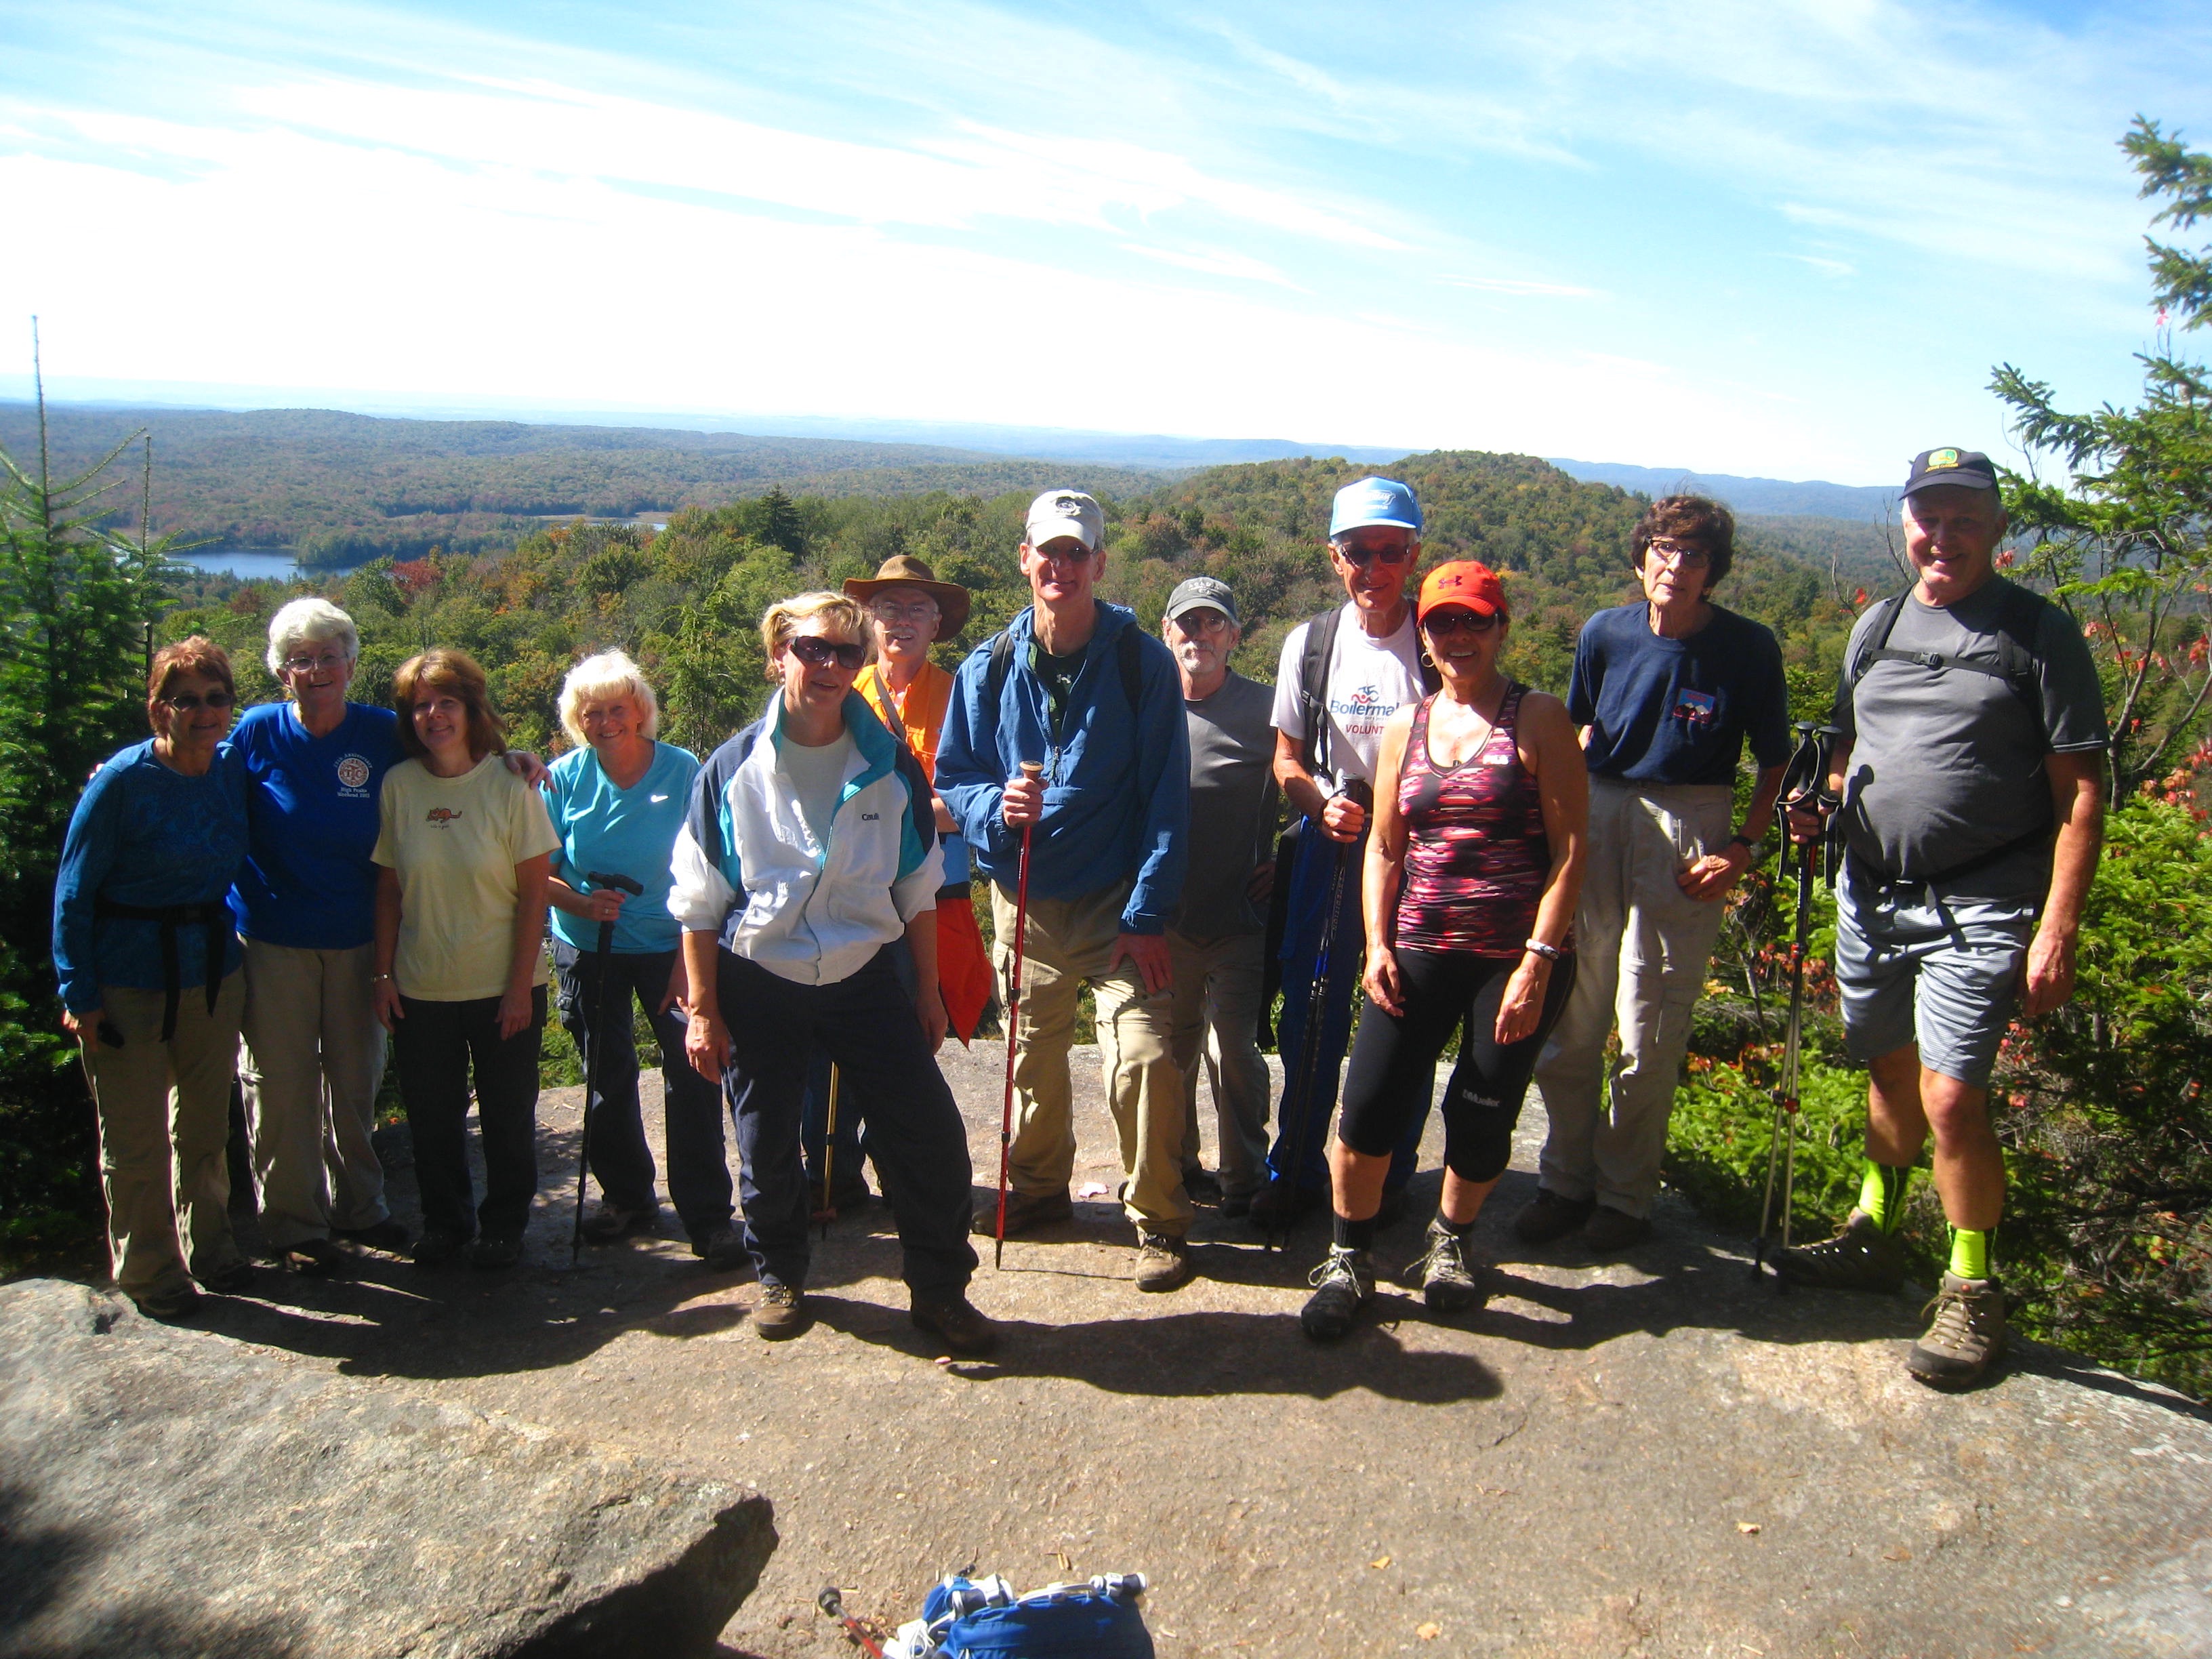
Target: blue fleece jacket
(1117, 786)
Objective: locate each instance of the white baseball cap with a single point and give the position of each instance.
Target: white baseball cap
(1060, 513)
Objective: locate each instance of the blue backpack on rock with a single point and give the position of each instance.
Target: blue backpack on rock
(985, 1619)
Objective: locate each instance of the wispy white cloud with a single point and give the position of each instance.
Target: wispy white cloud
(1520, 287)
(1216, 262)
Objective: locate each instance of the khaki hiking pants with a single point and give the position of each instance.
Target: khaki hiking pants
(1641, 947)
(311, 1062)
(1216, 1003)
(1071, 942)
(164, 1115)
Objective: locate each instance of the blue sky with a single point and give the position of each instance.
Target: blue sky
(1764, 238)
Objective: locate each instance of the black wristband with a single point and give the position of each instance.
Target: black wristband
(1743, 840)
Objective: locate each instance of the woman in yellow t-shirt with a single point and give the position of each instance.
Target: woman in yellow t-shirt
(464, 849)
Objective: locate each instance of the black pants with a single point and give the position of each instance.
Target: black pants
(435, 1045)
(868, 1026)
(1393, 1058)
(698, 1168)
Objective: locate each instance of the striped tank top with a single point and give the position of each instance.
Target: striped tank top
(1476, 853)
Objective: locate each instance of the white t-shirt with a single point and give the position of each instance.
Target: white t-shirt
(454, 842)
(818, 779)
(1369, 681)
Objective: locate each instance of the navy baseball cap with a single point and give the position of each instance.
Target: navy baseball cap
(1374, 501)
(1966, 469)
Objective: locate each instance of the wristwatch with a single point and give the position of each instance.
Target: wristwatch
(1744, 840)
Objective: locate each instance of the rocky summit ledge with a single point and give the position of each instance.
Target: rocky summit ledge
(168, 1492)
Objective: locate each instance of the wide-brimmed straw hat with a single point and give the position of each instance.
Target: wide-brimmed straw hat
(904, 570)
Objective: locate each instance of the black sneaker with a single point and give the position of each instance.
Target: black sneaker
(954, 1321)
(495, 1252)
(1234, 1205)
(1860, 1257)
(1202, 1185)
(1024, 1212)
(722, 1248)
(1549, 1217)
(438, 1246)
(1341, 1284)
(1608, 1230)
(1451, 1272)
(1281, 1202)
(780, 1314)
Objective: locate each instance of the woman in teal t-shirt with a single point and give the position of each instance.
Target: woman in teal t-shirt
(617, 799)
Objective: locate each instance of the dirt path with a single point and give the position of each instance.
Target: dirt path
(1650, 1457)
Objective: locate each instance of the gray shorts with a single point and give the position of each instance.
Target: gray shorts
(1918, 967)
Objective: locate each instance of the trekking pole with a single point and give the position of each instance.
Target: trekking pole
(1031, 770)
(1309, 1039)
(1808, 773)
(832, 1601)
(827, 1213)
(603, 956)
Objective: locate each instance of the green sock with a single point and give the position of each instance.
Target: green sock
(1970, 1252)
(1881, 1194)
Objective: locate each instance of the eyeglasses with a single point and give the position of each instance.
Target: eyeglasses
(891, 611)
(329, 662)
(1362, 557)
(814, 651)
(1456, 621)
(1205, 620)
(1680, 553)
(185, 701)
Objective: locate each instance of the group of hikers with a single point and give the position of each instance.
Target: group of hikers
(1475, 858)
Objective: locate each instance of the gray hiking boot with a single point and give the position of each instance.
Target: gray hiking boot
(1451, 1272)
(1340, 1284)
(1862, 1257)
(1163, 1261)
(1965, 1337)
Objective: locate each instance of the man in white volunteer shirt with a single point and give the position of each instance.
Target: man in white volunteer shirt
(1343, 675)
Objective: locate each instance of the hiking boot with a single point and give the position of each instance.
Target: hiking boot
(438, 1246)
(953, 1321)
(1163, 1261)
(1862, 1257)
(1609, 1231)
(1235, 1203)
(1340, 1284)
(1548, 1217)
(310, 1258)
(231, 1279)
(387, 1235)
(495, 1252)
(722, 1248)
(780, 1314)
(1202, 1185)
(1965, 1337)
(1024, 1212)
(169, 1302)
(613, 1221)
(1451, 1272)
(1281, 1202)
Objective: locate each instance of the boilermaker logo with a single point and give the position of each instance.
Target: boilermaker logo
(353, 773)
(441, 816)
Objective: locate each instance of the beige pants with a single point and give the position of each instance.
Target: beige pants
(1641, 945)
(311, 1062)
(164, 1115)
(1070, 943)
(1215, 1004)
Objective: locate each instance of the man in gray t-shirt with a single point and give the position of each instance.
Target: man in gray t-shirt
(1217, 939)
(1966, 786)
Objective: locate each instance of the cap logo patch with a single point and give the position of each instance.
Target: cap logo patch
(1942, 458)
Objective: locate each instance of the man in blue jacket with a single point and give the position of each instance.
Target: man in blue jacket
(1075, 685)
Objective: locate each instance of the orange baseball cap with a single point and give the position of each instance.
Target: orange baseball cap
(1465, 582)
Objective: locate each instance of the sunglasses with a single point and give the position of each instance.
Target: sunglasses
(1444, 624)
(185, 701)
(1362, 557)
(814, 651)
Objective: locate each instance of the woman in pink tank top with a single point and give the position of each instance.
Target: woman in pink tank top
(1481, 803)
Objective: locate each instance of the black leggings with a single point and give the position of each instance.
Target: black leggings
(1393, 1059)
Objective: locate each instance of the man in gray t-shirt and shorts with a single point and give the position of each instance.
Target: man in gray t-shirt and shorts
(1966, 788)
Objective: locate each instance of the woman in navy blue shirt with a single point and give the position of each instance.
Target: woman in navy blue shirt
(150, 982)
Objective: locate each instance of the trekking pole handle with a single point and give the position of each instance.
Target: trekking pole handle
(629, 884)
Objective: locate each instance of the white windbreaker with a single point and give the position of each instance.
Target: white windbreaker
(746, 869)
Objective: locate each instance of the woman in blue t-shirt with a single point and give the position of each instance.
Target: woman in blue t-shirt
(151, 985)
(617, 799)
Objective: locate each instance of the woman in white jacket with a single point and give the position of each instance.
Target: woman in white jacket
(810, 846)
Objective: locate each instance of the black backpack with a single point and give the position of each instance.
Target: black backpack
(2018, 618)
(1313, 683)
(1126, 647)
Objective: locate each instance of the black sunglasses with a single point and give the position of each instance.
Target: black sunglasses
(1363, 556)
(185, 701)
(814, 651)
(1456, 621)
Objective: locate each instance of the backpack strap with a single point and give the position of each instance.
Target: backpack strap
(1128, 649)
(2019, 617)
(1313, 685)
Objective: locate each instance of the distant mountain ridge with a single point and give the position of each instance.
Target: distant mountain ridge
(1812, 499)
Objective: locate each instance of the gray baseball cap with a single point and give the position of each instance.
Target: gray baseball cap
(1060, 513)
(1201, 590)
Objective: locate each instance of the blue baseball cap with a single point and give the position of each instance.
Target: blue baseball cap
(1374, 501)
